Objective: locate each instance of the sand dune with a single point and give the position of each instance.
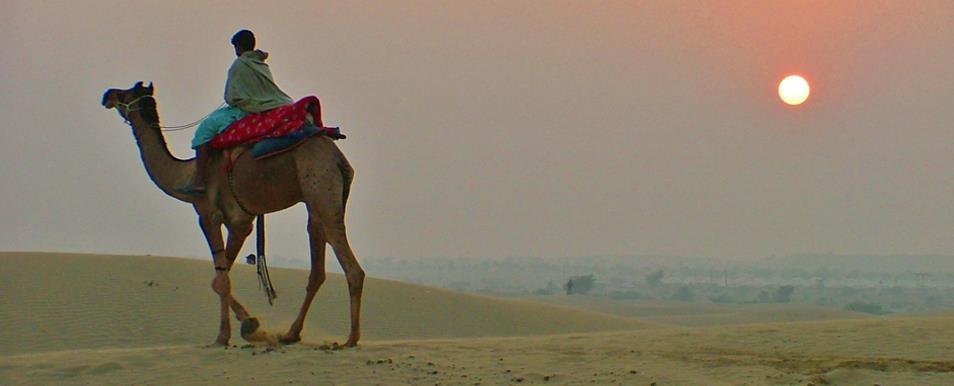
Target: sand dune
(70, 301)
(90, 319)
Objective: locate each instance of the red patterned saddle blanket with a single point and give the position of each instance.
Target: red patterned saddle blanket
(274, 123)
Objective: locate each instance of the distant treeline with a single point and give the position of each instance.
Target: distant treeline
(531, 273)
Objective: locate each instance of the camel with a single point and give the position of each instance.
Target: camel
(315, 172)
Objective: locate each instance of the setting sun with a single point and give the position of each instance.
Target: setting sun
(793, 90)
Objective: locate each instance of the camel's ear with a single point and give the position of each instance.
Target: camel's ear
(150, 88)
(138, 85)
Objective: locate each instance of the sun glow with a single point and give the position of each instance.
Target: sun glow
(793, 90)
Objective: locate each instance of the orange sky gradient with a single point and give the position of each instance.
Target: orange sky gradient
(500, 128)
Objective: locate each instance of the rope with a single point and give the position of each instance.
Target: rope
(193, 124)
(231, 181)
(128, 108)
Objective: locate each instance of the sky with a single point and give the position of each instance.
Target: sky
(490, 129)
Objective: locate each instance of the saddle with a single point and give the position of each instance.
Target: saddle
(277, 130)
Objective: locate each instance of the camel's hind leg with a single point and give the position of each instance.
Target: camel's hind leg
(325, 180)
(353, 272)
(316, 236)
(330, 209)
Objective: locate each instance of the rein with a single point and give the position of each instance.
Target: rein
(193, 124)
(133, 106)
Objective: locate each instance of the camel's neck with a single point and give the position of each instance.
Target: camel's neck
(165, 170)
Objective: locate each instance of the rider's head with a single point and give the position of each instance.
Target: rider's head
(243, 41)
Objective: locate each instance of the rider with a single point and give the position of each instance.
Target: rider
(250, 88)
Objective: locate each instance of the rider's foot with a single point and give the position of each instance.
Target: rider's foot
(192, 190)
(335, 133)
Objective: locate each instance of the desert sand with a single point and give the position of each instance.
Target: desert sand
(97, 319)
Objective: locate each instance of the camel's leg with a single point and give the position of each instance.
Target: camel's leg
(240, 313)
(222, 285)
(316, 236)
(325, 193)
(353, 272)
(238, 232)
(213, 236)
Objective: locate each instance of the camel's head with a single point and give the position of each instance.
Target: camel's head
(135, 99)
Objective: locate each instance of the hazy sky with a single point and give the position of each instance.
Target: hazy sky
(508, 128)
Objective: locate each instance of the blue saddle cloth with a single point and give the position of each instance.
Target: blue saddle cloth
(272, 146)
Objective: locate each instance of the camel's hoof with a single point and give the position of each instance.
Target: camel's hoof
(348, 344)
(253, 334)
(289, 339)
(219, 342)
(249, 326)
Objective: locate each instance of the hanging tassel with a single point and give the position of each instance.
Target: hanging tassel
(264, 280)
(261, 266)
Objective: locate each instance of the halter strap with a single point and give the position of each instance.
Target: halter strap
(127, 107)
(130, 107)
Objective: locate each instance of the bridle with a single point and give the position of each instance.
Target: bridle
(127, 107)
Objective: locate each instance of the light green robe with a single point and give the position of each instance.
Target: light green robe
(250, 88)
(250, 85)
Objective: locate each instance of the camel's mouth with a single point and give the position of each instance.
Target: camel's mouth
(108, 100)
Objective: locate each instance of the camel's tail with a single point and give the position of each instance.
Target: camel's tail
(347, 175)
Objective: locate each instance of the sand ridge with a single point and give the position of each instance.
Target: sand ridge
(55, 302)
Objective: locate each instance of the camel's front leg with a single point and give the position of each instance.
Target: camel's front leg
(238, 232)
(223, 258)
(213, 236)
(220, 283)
